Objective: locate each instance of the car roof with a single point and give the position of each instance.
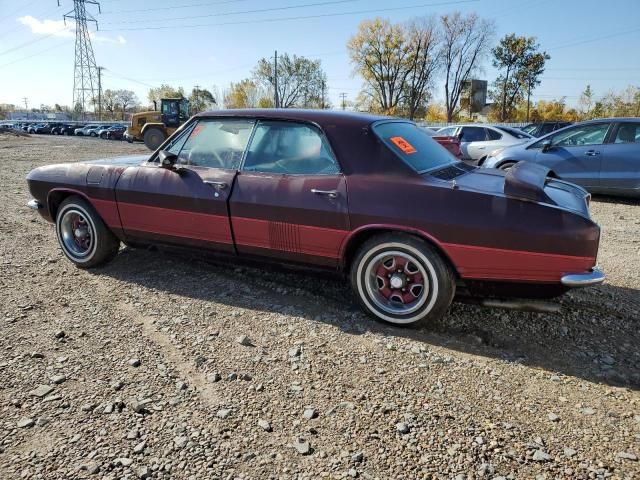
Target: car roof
(321, 117)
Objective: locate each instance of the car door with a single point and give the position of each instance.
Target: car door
(620, 167)
(473, 142)
(575, 153)
(290, 199)
(189, 205)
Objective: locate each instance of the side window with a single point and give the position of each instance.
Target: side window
(447, 132)
(628, 133)
(493, 135)
(216, 143)
(473, 134)
(581, 135)
(290, 148)
(547, 128)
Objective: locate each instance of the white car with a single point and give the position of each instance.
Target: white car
(478, 141)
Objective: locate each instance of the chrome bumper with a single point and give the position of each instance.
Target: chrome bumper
(576, 280)
(34, 204)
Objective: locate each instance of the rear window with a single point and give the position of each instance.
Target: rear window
(515, 132)
(413, 145)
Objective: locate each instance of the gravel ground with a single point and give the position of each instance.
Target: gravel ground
(165, 366)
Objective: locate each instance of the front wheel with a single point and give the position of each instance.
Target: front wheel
(83, 236)
(154, 137)
(401, 279)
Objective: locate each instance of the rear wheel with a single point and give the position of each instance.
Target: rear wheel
(401, 279)
(506, 166)
(83, 236)
(154, 137)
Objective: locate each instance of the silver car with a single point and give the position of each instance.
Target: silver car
(602, 156)
(476, 141)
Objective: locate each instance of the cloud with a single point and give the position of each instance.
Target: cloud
(58, 28)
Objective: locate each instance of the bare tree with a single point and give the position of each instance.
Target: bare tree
(465, 42)
(126, 98)
(424, 61)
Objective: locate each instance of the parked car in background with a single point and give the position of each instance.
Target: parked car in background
(540, 129)
(450, 143)
(102, 132)
(369, 196)
(476, 141)
(603, 156)
(32, 128)
(117, 132)
(85, 131)
(68, 129)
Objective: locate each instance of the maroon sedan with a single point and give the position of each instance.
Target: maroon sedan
(370, 196)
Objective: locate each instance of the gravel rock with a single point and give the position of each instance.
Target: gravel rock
(553, 417)
(223, 413)
(627, 456)
(134, 362)
(569, 452)
(58, 379)
(214, 377)
(302, 446)
(244, 340)
(402, 427)
(541, 456)
(59, 334)
(264, 425)
(41, 391)
(310, 413)
(26, 422)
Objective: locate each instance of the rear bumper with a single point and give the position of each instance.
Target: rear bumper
(577, 280)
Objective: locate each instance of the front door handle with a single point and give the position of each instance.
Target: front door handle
(592, 153)
(216, 185)
(327, 193)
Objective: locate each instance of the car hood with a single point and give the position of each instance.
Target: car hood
(529, 182)
(127, 161)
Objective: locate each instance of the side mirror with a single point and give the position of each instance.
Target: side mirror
(546, 146)
(167, 159)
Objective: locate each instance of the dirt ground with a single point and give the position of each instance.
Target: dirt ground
(137, 369)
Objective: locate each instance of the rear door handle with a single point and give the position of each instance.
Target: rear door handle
(592, 153)
(216, 185)
(327, 193)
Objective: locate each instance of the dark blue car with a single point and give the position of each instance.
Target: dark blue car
(602, 156)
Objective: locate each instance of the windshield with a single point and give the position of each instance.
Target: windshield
(413, 145)
(515, 132)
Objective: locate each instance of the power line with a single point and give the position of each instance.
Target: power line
(595, 39)
(304, 17)
(226, 14)
(21, 59)
(173, 7)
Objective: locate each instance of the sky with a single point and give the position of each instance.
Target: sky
(143, 43)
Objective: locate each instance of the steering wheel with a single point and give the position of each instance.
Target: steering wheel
(204, 158)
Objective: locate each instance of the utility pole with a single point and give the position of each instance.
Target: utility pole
(343, 95)
(100, 93)
(85, 69)
(323, 86)
(26, 106)
(196, 99)
(528, 99)
(275, 79)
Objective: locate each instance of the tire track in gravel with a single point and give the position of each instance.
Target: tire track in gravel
(206, 391)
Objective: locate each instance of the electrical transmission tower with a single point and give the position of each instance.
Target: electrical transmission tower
(85, 74)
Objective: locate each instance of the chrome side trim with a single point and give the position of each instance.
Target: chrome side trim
(576, 280)
(34, 204)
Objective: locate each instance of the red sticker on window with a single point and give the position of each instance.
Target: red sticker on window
(403, 145)
(197, 131)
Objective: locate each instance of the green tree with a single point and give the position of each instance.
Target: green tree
(300, 81)
(200, 100)
(521, 65)
(585, 102)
